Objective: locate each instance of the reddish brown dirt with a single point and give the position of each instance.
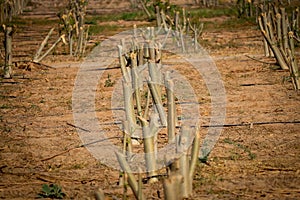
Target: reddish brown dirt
(39, 146)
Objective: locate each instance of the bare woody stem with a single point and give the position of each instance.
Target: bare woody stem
(171, 107)
(158, 103)
(273, 46)
(39, 51)
(8, 51)
(50, 49)
(131, 179)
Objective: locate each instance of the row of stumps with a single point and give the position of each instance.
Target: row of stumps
(11, 8)
(280, 30)
(149, 113)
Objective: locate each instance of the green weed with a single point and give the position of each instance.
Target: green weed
(204, 159)
(51, 191)
(109, 82)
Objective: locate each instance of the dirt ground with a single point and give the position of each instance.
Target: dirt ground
(256, 157)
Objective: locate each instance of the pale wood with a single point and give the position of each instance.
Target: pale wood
(141, 55)
(164, 21)
(131, 179)
(293, 63)
(273, 46)
(123, 65)
(135, 83)
(146, 112)
(184, 21)
(194, 154)
(145, 9)
(99, 195)
(158, 17)
(149, 149)
(50, 49)
(85, 40)
(8, 52)
(128, 105)
(140, 185)
(171, 108)
(158, 103)
(284, 30)
(184, 161)
(172, 187)
(45, 41)
(279, 32)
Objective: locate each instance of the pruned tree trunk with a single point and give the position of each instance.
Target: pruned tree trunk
(151, 111)
(73, 20)
(183, 143)
(279, 34)
(172, 187)
(171, 107)
(149, 135)
(8, 52)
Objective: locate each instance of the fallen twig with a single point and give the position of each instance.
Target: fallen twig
(278, 169)
(253, 84)
(44, 65)
(269, 63)
(8, 82)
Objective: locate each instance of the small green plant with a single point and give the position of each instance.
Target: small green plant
(244, 148)
(51, 191)
(109, 82)
(204, 159)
